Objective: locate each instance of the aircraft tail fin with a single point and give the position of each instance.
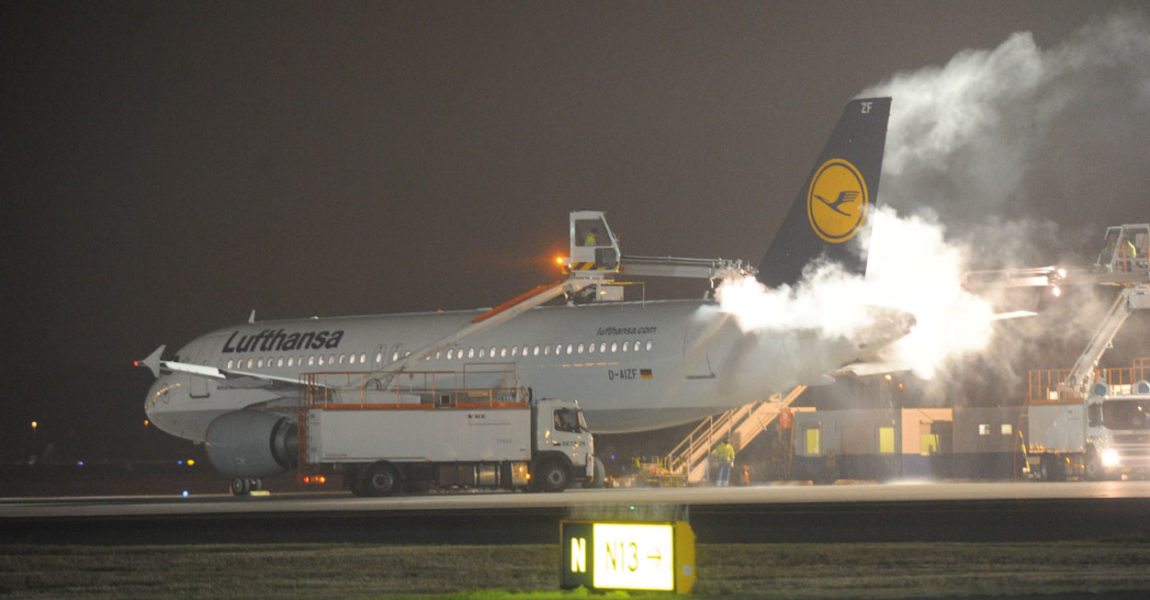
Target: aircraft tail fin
(832, 206)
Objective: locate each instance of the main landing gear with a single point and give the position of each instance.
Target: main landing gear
(244, 486)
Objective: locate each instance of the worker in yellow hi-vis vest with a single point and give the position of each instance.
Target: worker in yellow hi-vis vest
(724, 455)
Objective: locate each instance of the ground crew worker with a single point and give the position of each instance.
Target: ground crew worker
(1131, 254)
(724, 455)
(590, 239)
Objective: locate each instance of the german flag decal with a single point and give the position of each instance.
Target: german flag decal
(645, 373)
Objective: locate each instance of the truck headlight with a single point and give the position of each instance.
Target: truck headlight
(1110, 458)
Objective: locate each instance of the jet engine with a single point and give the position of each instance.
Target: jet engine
(250, 444)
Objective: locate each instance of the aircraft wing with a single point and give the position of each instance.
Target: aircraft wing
(234, 378)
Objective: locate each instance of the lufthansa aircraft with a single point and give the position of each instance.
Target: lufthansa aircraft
(632, 366)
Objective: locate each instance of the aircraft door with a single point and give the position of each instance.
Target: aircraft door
(696, 355)
(395, 355)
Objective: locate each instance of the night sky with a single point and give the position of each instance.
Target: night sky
(168, 167)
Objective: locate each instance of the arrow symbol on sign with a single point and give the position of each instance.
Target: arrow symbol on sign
(658, 556)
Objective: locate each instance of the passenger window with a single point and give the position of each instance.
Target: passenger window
(491, 352)
(637, 344)
(260, 363)
(378, 357)
(514, 351)
(280, 363)
(625, 346)
(451, 354)
(471, 352)
(546, 350)
(363, 357)
(614, 346)
(649, 345)
(481, 351)
(602, 347)
(311, 360)
(535, 351)
(579, 349)
(569, 349)
(291, 360)
(503, 352)
(229, 363)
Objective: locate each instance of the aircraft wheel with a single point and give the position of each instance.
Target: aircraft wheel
(552, 476)
(241, 486)
(382, 479)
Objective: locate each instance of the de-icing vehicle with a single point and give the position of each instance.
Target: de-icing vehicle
(1089, 422)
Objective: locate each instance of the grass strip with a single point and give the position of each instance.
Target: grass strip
(916, 570)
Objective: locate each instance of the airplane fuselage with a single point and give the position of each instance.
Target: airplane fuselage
(632, 366)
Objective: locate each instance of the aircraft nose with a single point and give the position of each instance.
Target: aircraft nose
(160, 397)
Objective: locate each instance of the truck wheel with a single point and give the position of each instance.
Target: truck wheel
(552, 476)
(382, 479)
(1094, 470)
(600, 475)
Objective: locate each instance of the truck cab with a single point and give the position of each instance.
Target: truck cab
(563, 449)
(1117, 431)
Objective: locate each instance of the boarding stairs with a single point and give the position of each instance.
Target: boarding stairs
(742, 425)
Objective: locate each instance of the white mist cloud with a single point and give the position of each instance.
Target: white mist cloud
(1018, 136)
(1025, 154)
(912, 268)
(1012, 156)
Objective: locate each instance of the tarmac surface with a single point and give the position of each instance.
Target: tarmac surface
(945, 512)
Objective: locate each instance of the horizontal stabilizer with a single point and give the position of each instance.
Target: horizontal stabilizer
(1018, 314)
(863, 369)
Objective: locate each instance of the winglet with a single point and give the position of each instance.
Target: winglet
(153, 360)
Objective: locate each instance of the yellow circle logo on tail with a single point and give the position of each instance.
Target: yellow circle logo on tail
(837, 201)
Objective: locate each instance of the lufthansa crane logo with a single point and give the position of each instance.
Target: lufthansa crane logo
(837, 201)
